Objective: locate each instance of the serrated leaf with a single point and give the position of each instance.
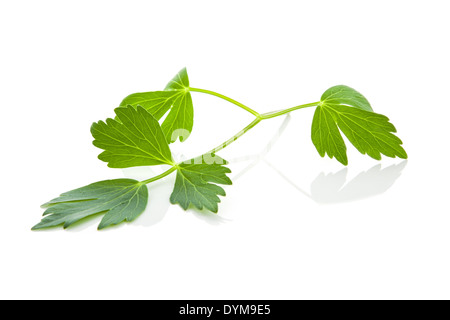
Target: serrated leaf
(137, 140)
(371, 133)
(196, 184)
(120, 200)
(176, 98)
(326, 136)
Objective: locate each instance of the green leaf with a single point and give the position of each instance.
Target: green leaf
(180, 120)
(137, 140)
(326, 137)
(155, 102)
(343, 95)
(196, 183)
(120, 200)
(371, 133)
(177, 99)
(179, 82)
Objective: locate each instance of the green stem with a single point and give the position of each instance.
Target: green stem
(235, 137)
(258, 119)
(274, 114)
(253, 112)
(160, 176)
(213, 151)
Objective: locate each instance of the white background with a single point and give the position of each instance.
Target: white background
(293, 225)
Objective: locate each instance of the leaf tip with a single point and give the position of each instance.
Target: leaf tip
(403, 154)
(101, 227)
(342, 160)
(93, 128)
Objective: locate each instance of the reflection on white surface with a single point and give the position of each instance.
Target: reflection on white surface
(256, 158)
(208, 217)
(328, 188)
(334, 187)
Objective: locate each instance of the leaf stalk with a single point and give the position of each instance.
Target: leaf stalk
(160, 176)
(253, 112)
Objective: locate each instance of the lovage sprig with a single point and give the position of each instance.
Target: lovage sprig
(135, 137)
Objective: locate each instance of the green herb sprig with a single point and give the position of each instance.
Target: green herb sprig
(136, 138)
